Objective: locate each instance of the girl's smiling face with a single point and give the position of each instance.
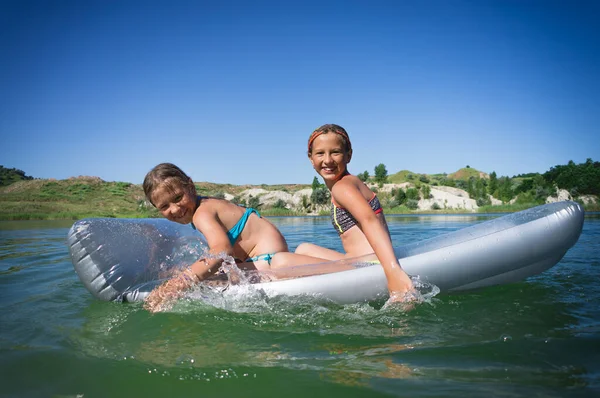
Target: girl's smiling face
(176, 203)
(329, 157)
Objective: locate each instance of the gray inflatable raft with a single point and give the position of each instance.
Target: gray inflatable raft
(124, 259)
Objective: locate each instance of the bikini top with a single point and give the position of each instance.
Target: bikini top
(341, 218)
(237, 229)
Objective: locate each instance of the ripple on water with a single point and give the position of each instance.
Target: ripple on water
(539, 337)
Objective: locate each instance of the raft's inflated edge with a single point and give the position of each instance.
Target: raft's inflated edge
(108, 255)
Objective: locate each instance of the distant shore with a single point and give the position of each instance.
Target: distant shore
(77, 215)
(84, 197)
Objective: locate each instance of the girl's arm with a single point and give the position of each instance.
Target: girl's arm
(161, 297)
(349, 196)
(218, 242)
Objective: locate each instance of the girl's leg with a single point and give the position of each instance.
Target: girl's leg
(287, 260)
(290, 265)
(312, 250)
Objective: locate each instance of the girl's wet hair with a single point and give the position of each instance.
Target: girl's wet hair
(165, 175)
(330, 128)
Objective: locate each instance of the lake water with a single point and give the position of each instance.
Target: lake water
(539, 337)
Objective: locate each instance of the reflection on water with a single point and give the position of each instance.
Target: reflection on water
(279, 334)
(355, 366)
(34, 225)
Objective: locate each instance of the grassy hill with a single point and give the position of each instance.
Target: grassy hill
(82, 197)
(402, 176)
(72, 199)
(410, 176)
(467, 172)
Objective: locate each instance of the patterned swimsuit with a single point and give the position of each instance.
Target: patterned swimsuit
(341, 218)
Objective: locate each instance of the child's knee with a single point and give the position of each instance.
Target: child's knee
(303, 248)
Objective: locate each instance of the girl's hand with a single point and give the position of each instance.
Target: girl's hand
(155, 301)
(162, 298)
(400, 287)
(402, 297)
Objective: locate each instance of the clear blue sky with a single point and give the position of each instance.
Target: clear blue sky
(231, 90)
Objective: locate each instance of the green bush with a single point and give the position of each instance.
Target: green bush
(483, 201)
(426, 191)
(412, 204)
(8, 176)
(390, 203)
(381, 173)
(461, 184)
(320, 196)
(412, 194)
(400, 196)
(305, 202)
(316, 184)
(238, 200)
(364, 176)
(253, 202)
(280, 204)
(447, 182)
(529, 197)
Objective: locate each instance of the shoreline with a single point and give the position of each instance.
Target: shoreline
(266, 213)
(89, 197)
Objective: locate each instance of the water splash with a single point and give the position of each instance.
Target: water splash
(423, 293)
(248, 298)
(235, 276)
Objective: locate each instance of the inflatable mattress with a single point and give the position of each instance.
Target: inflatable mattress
(124, 259)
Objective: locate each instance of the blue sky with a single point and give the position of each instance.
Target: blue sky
(231, 90)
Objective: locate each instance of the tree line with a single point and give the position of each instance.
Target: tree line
(8, 176)
(577, 179)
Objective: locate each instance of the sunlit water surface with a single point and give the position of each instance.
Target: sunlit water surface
(539, 337)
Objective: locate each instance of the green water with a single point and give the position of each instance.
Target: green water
(539, 337)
